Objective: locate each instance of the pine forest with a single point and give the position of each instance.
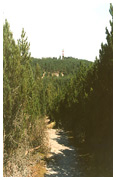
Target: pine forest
(69, 94)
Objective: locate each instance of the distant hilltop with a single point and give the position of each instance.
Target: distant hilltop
(57, 67)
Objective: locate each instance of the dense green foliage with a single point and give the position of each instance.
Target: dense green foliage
(79, 99)
(86, 104)
(23, 99)
(67, 65)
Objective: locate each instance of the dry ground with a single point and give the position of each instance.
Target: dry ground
(62, 161)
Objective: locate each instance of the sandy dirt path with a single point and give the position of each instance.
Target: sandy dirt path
(63, 157)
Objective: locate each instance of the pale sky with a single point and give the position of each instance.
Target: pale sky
(78, 27)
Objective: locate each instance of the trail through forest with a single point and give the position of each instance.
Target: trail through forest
(66, 160)
(71, 93)
(63, 157)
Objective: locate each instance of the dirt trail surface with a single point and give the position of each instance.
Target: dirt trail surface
(62, 160)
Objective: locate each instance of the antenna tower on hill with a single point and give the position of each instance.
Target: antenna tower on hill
(63, 54)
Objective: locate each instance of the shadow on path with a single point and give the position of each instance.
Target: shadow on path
(68, 161)
(64, 163)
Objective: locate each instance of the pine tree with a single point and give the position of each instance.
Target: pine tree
(11, 79)
(26, 70)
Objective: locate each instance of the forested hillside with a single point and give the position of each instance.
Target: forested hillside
(65, 66)
(79, 99)
(86, 104)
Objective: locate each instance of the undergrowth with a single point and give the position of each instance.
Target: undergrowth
(32, 147)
